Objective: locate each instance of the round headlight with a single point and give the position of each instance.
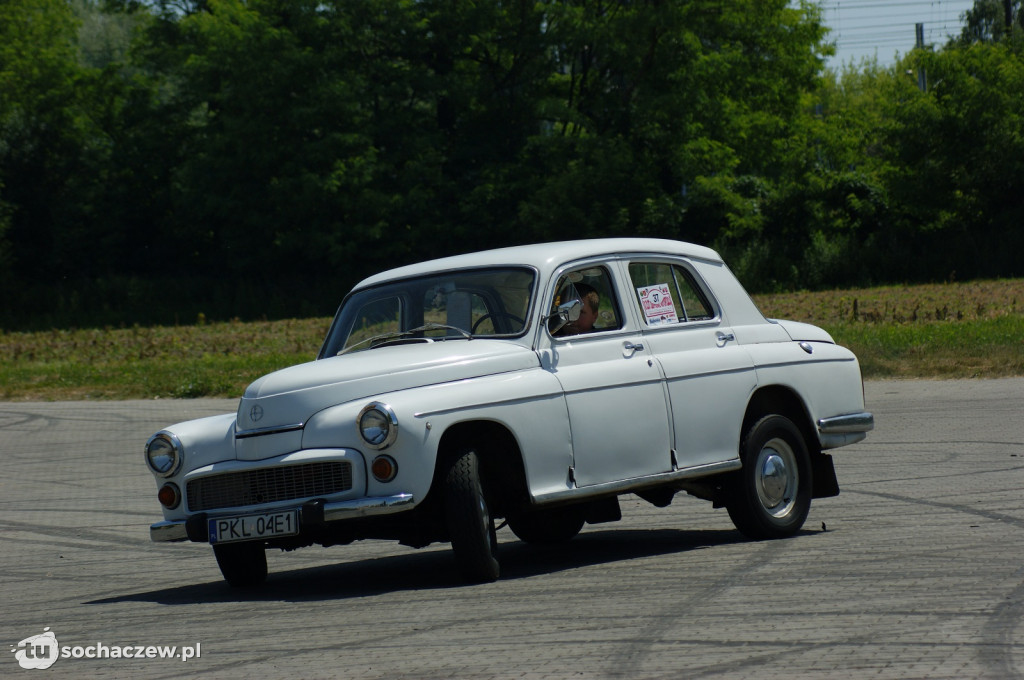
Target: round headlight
(378, 425)
(164, 454)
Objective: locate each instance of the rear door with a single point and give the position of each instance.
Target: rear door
(709, 376)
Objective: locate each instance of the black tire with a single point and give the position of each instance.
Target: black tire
(243, 565)
(547, 527)
(469, 521)
(771, 495)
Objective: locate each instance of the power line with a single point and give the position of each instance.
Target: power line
(858, 26)
(874, 4)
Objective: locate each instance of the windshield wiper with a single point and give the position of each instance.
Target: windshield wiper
(393, 335)
(440, 326)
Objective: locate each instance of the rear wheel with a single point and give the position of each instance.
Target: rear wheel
(772, 494)
(242, 564)
(557, 525)
(470, 525)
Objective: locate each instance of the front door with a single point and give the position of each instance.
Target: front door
(614, 391)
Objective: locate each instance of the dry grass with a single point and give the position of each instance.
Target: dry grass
(955, 330)
(973, 301)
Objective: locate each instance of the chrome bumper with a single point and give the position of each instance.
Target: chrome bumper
(845, 429)
(171, 531)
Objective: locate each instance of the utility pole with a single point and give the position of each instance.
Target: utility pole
(922, 76)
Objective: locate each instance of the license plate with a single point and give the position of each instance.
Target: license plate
(254, 527)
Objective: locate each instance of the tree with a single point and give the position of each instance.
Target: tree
(658, 114)
(956, 153)
(286, 148)
(992, 21)
(41, 130)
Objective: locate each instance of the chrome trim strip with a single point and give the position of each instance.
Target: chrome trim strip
(805, 362)
(846, 424)
(488, 404)
(274, 429)
(368, 507)
(635, 483)
(162, 532)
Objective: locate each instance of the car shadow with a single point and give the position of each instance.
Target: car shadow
(435, 569)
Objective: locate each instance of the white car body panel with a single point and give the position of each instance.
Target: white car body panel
(528, 403)
(603, 382)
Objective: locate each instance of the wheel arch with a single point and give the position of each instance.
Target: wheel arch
(785, 401)
(503, 475)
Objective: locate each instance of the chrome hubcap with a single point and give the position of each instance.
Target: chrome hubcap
(773, 479)
(777, 477)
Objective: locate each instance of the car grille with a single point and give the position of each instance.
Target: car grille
(268, 485)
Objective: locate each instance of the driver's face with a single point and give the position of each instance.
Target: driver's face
(586, 320)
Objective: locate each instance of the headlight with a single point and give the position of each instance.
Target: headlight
(378, 425)
(164, 454)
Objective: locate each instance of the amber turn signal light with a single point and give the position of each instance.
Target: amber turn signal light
(169, 496)
(384, 468)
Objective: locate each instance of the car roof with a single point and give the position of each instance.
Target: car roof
(546, 256)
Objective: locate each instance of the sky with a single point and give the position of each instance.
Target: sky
(867, 28)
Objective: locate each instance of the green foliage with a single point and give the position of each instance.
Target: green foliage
(993, 21)
(253, 157)
(40, 120)
(897, 183)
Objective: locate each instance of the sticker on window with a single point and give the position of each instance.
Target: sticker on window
(657, 304)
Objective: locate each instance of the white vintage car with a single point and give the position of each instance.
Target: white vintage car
(535, 384)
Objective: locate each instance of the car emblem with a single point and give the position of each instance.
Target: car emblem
(256, 413)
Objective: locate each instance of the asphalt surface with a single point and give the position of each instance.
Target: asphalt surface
(914, 571)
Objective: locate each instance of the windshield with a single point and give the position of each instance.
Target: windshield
(446, 306)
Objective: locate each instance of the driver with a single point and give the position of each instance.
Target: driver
(588, 313)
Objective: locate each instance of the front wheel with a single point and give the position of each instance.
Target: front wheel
(242, 564)
(772, 493)
(470, 525)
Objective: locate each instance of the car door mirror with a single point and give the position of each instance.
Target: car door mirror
(567, 313)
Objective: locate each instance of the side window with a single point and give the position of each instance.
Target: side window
(695, 305)
(600, 311)
(668, 294)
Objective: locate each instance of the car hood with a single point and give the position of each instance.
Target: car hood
(290, 396)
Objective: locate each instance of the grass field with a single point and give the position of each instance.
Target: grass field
(961, 330)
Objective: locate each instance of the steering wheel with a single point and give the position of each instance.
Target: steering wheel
(495, 316)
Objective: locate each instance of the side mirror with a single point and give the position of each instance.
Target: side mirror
(566, 313)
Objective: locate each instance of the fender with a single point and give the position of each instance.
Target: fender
(528, 403)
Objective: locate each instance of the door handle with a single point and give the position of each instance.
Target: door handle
(725, 337)
(631, 347)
